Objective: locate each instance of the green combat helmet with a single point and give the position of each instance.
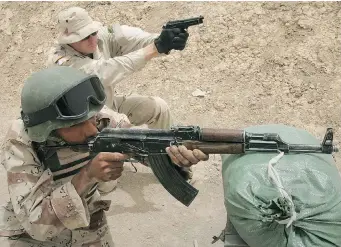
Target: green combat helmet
(59, 97)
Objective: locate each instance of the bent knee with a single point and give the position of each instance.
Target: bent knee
(150, 110)
(160, 105)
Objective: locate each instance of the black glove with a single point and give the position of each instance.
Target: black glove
(170, 39)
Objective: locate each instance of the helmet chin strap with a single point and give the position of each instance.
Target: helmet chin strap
(54, 137)
(56, 142)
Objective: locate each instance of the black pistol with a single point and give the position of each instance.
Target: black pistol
(184, 24)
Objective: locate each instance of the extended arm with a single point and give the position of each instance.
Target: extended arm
(113, 70)
(134, 39)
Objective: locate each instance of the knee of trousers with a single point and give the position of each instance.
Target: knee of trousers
(162, 107)
(152, 109)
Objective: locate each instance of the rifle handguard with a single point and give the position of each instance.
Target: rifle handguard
(222, 135)
(215, 148)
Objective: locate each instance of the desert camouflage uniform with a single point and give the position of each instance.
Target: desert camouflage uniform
(44, 208)
(118, 55)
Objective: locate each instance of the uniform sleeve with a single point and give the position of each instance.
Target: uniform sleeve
(112, 70)
(42, 210)
(136, 39)
(124, 46)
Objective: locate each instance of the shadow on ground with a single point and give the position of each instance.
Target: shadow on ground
(134, 184)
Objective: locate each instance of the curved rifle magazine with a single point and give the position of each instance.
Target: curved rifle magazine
(171, 179)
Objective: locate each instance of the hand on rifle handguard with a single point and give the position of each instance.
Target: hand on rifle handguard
(181, 156)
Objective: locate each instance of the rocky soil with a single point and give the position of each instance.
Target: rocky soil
(255, 63)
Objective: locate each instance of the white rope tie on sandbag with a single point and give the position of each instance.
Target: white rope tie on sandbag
(275, 179)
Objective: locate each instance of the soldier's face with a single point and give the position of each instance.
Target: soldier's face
(79, 133)
(87, 45)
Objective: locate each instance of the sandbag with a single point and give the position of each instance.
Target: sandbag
(308, 215)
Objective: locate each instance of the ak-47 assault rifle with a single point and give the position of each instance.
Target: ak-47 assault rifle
(148, 145)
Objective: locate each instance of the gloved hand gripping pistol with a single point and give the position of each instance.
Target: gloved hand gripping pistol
(174, 34)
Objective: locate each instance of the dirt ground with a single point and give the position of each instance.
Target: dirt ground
(257, 63)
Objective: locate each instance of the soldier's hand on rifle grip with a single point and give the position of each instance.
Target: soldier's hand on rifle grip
(181, 156)
(106, 166)
(172, 38)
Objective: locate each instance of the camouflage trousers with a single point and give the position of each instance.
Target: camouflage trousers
(96, 235)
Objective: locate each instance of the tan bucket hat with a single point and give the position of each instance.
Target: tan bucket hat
(75, 24)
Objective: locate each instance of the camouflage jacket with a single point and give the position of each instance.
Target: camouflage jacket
(43, 201)
(118, 55)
